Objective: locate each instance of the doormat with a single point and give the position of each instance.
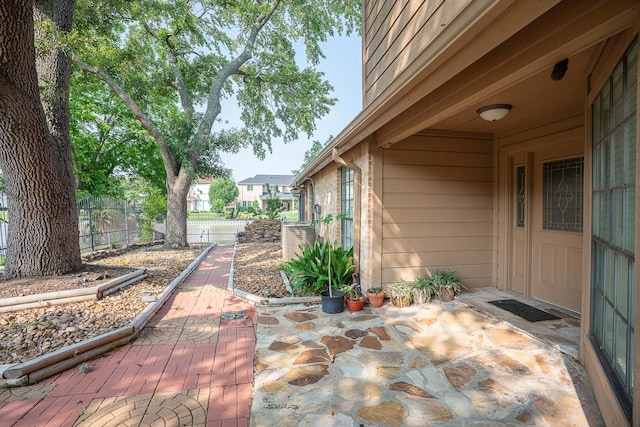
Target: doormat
(523, 310)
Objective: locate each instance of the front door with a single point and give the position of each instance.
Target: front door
(556, 225)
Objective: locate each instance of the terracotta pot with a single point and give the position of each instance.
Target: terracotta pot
(376, 299)
(355, 305)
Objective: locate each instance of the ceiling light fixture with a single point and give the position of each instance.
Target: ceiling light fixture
(494, 112)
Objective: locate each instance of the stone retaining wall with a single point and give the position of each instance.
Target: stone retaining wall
(261, 231)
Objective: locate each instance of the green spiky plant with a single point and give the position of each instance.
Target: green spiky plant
(321, 266)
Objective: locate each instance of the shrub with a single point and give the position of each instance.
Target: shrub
(309, 272)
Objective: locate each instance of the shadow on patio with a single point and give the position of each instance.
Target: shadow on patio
(445, 364)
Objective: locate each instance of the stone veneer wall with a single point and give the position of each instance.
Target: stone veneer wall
(261, 231)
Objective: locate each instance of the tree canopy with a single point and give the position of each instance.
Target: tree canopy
(109, 145)
(221, 193)
(172, 62)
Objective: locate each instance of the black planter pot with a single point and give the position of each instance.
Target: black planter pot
(334, 304)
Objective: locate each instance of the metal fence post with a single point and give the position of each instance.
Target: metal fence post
(126, 221)
(93, 246)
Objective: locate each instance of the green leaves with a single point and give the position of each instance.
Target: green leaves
(221, 193)
(172, 63)
(309, 272)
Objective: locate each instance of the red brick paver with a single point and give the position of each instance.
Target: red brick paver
(188, 367)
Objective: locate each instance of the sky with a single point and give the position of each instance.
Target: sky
(343, 69)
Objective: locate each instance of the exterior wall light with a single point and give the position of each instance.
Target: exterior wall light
(494, 112)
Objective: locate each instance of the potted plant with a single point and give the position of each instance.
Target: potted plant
(355, 299)
(376, 296)
(423, 290)
(401, 293)
(446, 283)
(323, 269)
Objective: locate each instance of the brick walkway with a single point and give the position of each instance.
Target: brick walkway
(193, 365)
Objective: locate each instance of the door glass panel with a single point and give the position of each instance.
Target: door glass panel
(562, 195)
(520, 195)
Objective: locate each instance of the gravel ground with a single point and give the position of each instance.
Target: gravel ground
(27, 334)
(256, 270)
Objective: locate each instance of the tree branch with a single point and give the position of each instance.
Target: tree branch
(215, 91)
(155, 133)
(185, 99)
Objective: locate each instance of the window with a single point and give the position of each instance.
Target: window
(346, 207)
(613, 137)
(562, 195)
(249, 187)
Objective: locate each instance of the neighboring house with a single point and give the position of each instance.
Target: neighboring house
(541, 203)
(257, 189)
(198, 197)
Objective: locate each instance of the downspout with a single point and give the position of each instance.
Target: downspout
(357, 177)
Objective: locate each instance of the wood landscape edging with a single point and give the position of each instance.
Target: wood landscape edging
(257, 299)
(71, 295)
(44, 366)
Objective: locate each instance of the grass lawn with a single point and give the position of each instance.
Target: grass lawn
(210, 216)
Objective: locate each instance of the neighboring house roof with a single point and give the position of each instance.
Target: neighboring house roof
(282, 180)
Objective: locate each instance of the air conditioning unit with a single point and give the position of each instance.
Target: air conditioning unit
(294, 236)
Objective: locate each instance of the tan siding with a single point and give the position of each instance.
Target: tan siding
(376, 17)
(471, 145)
(473, 275)
(402, 34)
(439, 159)
(438, 208)
(439, 215)
(398, 185)
(437, 173)
(426, 230)
(417, 259)
(435, 244)
(413, 200)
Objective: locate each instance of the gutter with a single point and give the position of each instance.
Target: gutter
(357, 191)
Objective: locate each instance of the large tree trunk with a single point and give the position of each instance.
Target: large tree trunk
(43, 225)
(54, 74)
(177, 191)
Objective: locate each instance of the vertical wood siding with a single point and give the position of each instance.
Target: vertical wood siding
(395, 32)
(438, 208)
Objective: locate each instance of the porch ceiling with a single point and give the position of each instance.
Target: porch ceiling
(536, 100)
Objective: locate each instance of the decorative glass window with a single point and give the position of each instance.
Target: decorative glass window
(520, 195)
(346, 207)
(613, 236)
(562, 195)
